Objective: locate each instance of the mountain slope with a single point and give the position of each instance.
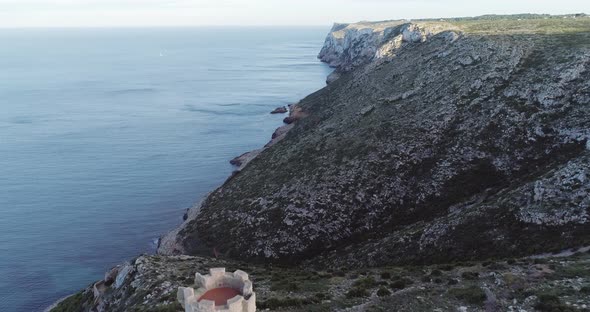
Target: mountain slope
(469, 142)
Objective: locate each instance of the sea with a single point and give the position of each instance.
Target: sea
(107, 135)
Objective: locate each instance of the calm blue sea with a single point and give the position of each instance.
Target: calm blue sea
(108, 135)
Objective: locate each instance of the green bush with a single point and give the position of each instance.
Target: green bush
(470, 275)
(472, 294)
(453, 281)
(447, 267)
(550, 303)
(292, 287)
(385, 275)
(173, 307)
(497, 267)
(367, 282)
(322, 296)
(382, 292)
(401, 283)
(357, 292)
(284, 286)
(276, 303)
(540, 261)
(73, 303)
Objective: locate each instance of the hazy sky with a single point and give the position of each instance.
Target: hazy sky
(58, 13)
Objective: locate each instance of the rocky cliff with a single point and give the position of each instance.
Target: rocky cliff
(348, 46)
(441, 140)
(469, 140)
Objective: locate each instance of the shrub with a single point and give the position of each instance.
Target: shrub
(385, 275)
(472, 294)
(173, 307)
(285, 286)
(382, 292)
(470, 275)
(436, 273)
(453, 281)
(540, 261)
(497, 267)
(401, 283)
(357, 292)
(447, 267)
(73, 303)
(322, 296)
(575, 271)
(550, 303)
(292, 287)
(585, 290)
(275, 303)
(367, 282)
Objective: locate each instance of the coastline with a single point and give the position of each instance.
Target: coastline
(172, 243)
(169, 244)
(210, 103)
(56, 303)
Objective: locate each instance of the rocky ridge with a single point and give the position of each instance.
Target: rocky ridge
(446, 149)
(471, 144)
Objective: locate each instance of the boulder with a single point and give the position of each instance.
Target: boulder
(279, 110)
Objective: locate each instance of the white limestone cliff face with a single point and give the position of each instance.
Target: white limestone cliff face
(348, 46)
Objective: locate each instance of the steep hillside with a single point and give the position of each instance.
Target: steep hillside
(441, 140)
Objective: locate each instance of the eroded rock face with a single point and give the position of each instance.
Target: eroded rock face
(560, 198)
(459, 147)
(348, 46)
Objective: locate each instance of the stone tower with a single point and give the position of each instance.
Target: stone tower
(219, 291)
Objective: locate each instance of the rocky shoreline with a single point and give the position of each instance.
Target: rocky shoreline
(336, 52)
(169, 244)
(447, 161)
